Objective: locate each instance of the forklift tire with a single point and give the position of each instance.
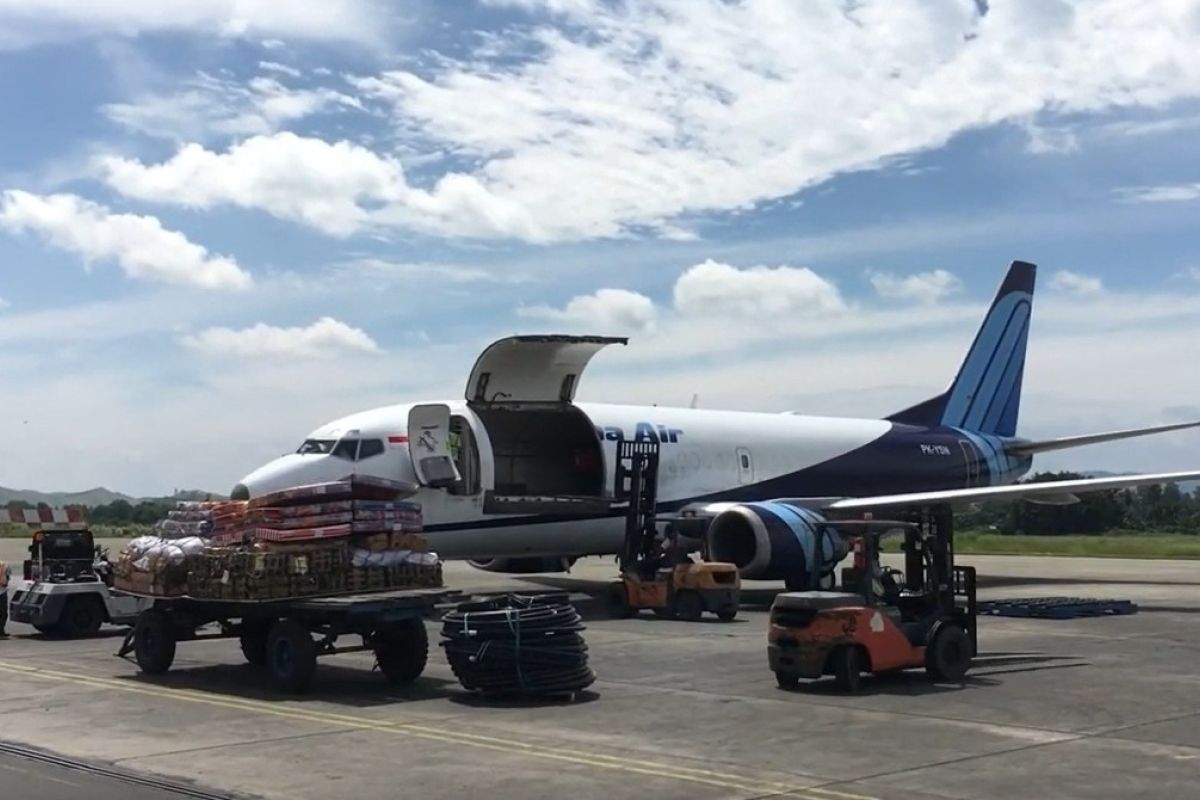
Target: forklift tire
(254, 641)
(617, 600)
(154, 642)
(291, 655)
(786, 681)
(402, 650)
(689, 606)
(948, 655)
(846, 665)
(81, 617)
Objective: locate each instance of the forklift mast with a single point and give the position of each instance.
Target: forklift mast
(637, 481)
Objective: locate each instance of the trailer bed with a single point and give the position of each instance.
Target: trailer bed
(288, 635)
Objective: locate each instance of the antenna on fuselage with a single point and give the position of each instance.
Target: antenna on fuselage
(695, 401)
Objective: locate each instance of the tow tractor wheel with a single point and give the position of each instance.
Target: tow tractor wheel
(291, 655)
(948, 655)
(847, 668)
(154, 642)
(617, 599)
(254, 641)
(81, 616)
(689, 605)
(727, 612)
(402, 650)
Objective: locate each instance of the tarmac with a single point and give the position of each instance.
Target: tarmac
(1090, 708)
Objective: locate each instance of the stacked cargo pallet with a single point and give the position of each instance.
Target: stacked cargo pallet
(353, 535)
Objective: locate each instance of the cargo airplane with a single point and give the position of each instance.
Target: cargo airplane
(518, 477)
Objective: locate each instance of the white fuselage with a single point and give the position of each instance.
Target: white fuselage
(703, 453)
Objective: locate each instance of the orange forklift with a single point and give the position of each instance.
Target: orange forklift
(657, 571)
(878, 624)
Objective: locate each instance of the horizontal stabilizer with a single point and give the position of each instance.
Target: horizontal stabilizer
(1067, 442)
(1049, 489)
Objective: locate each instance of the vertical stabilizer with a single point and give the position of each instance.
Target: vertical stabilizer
(986, 395)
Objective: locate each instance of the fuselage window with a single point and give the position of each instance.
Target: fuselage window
(369, 447)
(745, 461)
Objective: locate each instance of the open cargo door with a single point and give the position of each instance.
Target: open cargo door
(533, 369)
(429, 445)
(548, 460)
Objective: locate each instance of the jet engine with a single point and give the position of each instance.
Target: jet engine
(525, 565)
(776, 540)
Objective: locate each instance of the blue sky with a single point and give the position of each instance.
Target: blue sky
(223, 225)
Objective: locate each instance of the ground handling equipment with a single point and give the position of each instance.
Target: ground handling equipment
(65, 589)
(656, 571)
(879, 625)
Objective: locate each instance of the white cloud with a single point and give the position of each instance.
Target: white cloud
(405, 272)
(672, 108)
(140, 244)
(324, 338)
(1076, 283)
(712, 287)
(1047, 140)
(273, 44)
(4, 303)
(340, 188)
(207, 106)
(282, 69)
(923, 287)
(606, 310)
(24, 23)
(1172, 193)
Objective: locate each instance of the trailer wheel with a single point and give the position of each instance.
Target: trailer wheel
(786, 680)
(728, 612)
(847, 668)
(254, 641)
(948, 656)
(81, 616)
(154, 642)
(291, 655)
(402, 650)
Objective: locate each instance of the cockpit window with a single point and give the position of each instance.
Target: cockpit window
(369, 447)
(346, 448)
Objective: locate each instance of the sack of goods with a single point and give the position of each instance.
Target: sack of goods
(518, 646)
(351, 535)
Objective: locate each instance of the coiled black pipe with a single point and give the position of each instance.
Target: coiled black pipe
(524, 645)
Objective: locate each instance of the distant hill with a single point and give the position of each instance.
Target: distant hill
(94, 497)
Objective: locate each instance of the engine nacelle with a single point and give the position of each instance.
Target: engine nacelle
(775, 541)
(524, 565)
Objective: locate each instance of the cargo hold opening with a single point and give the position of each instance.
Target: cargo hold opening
(550, 451)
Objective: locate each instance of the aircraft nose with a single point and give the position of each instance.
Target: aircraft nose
(240, 492)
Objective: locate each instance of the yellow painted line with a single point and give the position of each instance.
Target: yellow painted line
(615, 763)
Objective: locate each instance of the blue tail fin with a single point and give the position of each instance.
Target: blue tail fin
(986, 395)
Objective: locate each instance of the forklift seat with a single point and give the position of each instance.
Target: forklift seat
(818, 601)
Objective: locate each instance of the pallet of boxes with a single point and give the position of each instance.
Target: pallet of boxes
(352, 536)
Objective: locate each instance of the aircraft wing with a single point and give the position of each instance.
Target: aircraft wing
(1011, 492)
(1020, 448)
